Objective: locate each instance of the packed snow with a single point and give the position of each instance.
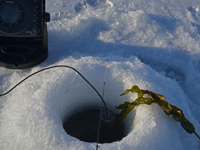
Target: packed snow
(154, 44)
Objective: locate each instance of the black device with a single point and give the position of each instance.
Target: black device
(23, 33)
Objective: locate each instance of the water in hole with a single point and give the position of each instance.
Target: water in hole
(84, 126)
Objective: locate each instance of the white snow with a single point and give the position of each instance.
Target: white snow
(153, 44)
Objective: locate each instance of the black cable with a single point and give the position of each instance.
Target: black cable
(59, 66)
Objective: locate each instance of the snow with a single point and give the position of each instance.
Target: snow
(153, 44)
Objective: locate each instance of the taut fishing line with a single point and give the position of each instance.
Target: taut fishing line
(104, 83)
(98, 133)
(58, 66)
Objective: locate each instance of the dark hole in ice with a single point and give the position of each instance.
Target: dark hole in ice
(84, 126)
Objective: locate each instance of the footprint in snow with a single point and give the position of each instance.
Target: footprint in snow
(93, 3)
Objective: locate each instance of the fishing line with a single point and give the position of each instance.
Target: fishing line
(97, 146)
(58, 66)
(105, 78)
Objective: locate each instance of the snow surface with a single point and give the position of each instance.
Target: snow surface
(154, 44)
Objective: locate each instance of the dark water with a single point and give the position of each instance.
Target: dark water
(84, 126)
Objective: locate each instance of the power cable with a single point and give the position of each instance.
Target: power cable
(58, 66)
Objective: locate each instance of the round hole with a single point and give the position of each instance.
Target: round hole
(84, 125)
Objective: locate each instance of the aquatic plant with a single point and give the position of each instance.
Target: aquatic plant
(148, 97)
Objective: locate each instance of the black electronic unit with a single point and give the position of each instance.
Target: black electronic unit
(23, 33)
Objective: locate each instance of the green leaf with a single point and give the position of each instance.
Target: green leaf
(161, 97)
(126, 92)
(142, 100)
(124, 113)
(188, 126)
(123, 106)
(130, 107)
(134, 89)
(147, 101)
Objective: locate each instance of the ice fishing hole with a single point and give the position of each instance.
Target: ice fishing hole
(84, 124)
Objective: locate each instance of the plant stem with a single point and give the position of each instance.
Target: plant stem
(196, 135)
